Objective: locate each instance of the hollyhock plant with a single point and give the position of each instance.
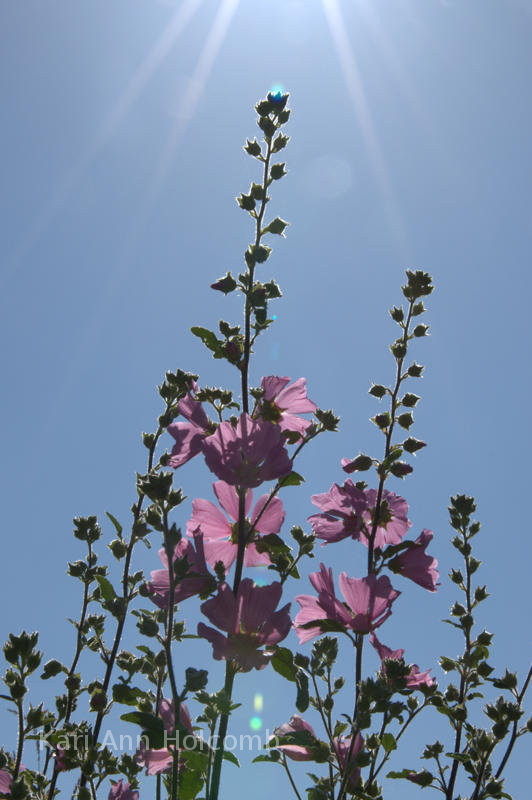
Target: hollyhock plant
(367, 604)
(416, 564)
(250, 621)
(393, 521)
(341, 514)
(161, 760)
(122, 791)
(198, 583)
(283, 401)
(296, 752)
(415, 678)
(220, 534)
(248, 454)
(349, 512)
(346, 750)
(189, 435)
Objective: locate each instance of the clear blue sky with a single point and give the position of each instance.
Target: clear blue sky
(121, 135)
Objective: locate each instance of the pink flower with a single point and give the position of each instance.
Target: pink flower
(201, 581)
(342, 508)
(5, 782)
(281, 403)
(415, 564)
(348, 511)
(345, 754)
(296, 752)
(247, 455)
(122, 791)
(161, 760)
(249, 619)
(220, 535)
(415, 678)
(368, 603)
(189, 435)
(60, 759)
(393, 521)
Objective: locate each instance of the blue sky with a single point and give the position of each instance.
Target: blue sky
(122, 131)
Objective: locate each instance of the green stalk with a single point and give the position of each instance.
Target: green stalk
(230, 670)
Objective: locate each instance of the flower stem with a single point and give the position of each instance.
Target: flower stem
(168, 650)
(514, 730)
(137, 509)
(287, 770)
(463, 679)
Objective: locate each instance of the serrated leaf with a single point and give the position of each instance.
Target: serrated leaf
(209, 340)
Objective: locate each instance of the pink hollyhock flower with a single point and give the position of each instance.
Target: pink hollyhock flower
(161, 760)
(220, 535)
(415, 678)
(368, 603)
(393, 521)
(296, 752)
(249, 619)
(247, 455)
(5, 782)
(60, 759)
(122, 791)
(342, 510)
(201, 581)
(189, 435)
(345, 753)
(281, 403)
(415, 564)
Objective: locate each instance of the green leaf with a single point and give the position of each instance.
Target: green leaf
(272, 544)
(152, 727)
(231, 757)
(272, 758)
(118, 527)
(128, 695)
(209, 340)
(294, 479)
(277, 226)
(302, 697)
(190, 784)
(404, 773)
(388, 742)
(283, 663)
(108, 593)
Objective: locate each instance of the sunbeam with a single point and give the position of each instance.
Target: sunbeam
(188, 104)
(405, 83)
(356, 91)
(138, 82)
(120, 267)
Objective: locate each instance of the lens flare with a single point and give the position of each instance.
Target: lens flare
(255, 723)
(261, 580)
(258, 702)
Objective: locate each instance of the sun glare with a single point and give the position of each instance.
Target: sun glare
(357, 94)
(139, 80)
